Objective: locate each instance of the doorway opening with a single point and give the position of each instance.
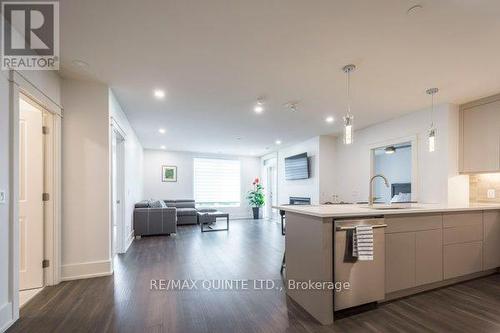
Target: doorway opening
(270, 178)
(397, 161)
(118, 232)
(34, 196)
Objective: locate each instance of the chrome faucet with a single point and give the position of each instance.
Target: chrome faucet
(370, 199)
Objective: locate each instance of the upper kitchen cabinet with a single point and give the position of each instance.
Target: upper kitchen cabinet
(480, 136)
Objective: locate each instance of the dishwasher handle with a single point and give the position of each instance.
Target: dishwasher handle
(353, 227)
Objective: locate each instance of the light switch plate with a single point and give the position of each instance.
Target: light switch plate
(2, 197)
(491, 193)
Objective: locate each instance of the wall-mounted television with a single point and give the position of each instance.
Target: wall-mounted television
(297, 167)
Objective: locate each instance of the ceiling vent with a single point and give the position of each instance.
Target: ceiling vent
(292, 106)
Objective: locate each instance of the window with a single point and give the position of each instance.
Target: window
(217, 182)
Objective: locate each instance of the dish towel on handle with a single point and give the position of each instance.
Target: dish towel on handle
(363, 243)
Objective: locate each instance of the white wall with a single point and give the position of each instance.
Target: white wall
(301, 187)
(48, 80)
(320, 186)
(327, 169)
(133, 164)
(458, 185)
(434, 169)
(396, 167)
(85, 180)
(183, 188)
(337, 169)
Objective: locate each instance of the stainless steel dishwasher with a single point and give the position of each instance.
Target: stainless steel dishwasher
(366, 278)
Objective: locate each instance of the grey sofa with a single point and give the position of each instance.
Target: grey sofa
(186, 211)
(154, 221)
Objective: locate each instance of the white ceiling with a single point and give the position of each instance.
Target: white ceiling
(215, 58)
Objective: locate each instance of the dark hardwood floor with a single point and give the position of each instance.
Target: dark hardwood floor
(250, 250)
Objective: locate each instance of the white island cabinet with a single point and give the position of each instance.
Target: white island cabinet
(425, 247)
(491, 242)
(413, 250)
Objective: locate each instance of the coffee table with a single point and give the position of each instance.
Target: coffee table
(204, 218)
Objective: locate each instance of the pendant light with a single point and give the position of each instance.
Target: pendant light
(431, 136)
(348, 118)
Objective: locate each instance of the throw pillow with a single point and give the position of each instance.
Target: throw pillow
(156, 203)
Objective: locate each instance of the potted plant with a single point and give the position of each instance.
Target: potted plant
(256, 198)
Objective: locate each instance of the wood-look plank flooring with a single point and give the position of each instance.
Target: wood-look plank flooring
(250, 250)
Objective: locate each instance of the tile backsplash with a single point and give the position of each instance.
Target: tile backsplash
(480, 184)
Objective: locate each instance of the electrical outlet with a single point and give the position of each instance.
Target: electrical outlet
(491, 193)
(2, 197)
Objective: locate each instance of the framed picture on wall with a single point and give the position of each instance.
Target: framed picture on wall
(168, 173)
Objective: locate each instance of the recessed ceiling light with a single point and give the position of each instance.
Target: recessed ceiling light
(80, 63)
(158, 93)
(414, 10)
(329, 119)
(259, 106)
(161, 131)
(278, 142)
(163, 147)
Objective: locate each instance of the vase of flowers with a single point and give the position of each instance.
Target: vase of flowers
(256, 198)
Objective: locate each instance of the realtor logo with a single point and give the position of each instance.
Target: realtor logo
(30, 35)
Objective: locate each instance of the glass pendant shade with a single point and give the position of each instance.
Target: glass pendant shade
(348, 132)
(348, 118)
(432, 139)
(432, 130)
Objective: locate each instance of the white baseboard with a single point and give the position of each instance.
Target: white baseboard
(86, 270)
(27, 295)
(129, 241)
(6, 319)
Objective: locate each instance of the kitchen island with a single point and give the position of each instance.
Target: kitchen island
(419, 247)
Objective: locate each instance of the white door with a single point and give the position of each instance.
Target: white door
(30, 196)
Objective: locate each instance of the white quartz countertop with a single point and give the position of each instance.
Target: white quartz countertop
(364, 210)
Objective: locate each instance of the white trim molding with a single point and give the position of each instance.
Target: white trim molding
(116, 126)
(36, 94)
(86, 270)
(129, 241)
(6, 318)
(52, 215)
(18, 84)
(14, 193)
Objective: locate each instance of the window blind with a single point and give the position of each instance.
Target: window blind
(217, 182)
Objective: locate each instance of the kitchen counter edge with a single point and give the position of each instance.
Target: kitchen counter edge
(340, 211)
